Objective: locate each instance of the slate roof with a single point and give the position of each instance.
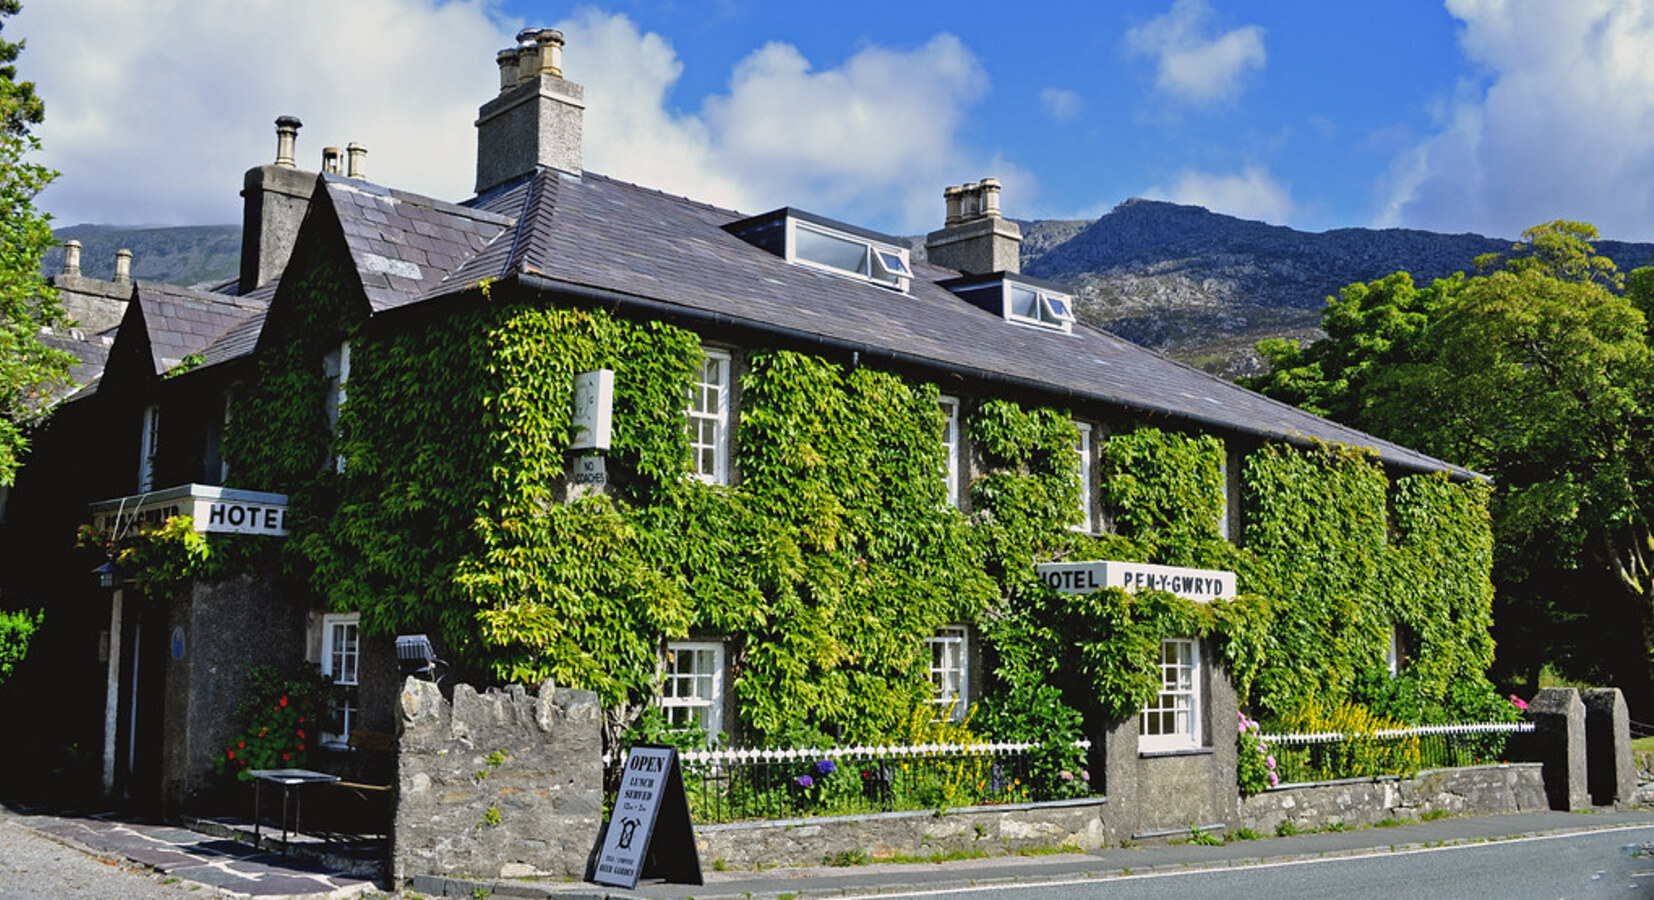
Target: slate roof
(91, 352)
(404, 245)
(183, 321)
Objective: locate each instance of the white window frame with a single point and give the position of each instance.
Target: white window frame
(950, 672)
(1392, 652)
(336, 366)
(695, 693)
(951, 448)
(883, 264)
(1053, 310)
(1179, 699)
(149, 446)
(716, 415)
(1088, 491)
(349, 624)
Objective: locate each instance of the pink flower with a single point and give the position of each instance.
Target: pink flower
(1085, 774)
(1274, 779)
(1518, 702)
(1270, 762)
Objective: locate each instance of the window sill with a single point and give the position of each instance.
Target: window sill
(1181, 751)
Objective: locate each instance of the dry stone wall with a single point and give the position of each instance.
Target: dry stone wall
(1474, 790)
(503, 784)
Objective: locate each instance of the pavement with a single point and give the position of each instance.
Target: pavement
(235, 869)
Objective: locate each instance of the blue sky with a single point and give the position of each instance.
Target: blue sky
(1464, 115)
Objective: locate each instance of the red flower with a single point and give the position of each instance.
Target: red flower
(242, 745)
(284, 701)
(286, 756)
(232, 754)
(301, 748)
(301, 734)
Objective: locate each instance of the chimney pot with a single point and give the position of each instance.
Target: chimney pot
(550, 42)
(357, 161)
(971, 201)
(287, 136)
(952, 196)
(331, 157)
(123, 266)
(71, 258)
(990, 197)
(507, 60)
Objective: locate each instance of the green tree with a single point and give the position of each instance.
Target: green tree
(1536, 371)
(29, 370)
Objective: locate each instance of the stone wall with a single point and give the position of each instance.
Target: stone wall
(1474, 790)
(497, 785)
(995, 830)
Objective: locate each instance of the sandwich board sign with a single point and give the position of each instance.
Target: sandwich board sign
(649, 833)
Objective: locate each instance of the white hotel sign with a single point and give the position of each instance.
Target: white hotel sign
(1084, 577)
(213, 509)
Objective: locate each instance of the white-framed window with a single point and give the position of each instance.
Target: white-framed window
(1171, 721)
(1027, 305)
(821, 247)
(1088, 498)
(336, 366)
(950, 672)
(951, 448)
(709, 419)
(149, 446)
(1392, 652)
(692, 694)
(341, 655)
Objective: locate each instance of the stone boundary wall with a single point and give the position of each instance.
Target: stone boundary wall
(1472, 790)
(996, 830)
(503, 784)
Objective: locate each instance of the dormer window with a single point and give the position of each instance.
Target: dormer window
(1018, 299)
(809, 240)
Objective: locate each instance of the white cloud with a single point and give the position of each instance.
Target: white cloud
(1193, 62)
(153, 115)
(159, 125)
(1561, 127)
(1252, 194)
(1061, 104)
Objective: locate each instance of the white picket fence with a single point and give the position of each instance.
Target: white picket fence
(1463, 728)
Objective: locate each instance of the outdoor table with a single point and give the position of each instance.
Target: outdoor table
(288, 779)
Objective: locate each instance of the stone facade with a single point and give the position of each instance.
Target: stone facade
(995, 830)
(497, 785)
(1353, 802)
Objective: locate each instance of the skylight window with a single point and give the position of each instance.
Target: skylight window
(849, 254)
(1032, 306)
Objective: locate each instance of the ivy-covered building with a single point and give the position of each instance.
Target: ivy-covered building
(772, 479)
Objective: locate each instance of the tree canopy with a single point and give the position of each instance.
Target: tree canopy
(1535, 371)
(29, 370)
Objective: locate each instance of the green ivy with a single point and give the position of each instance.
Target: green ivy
(835, 554)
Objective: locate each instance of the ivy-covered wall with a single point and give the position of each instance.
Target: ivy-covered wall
(835, 554)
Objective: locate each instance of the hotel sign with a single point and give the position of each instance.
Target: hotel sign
(213, 509)
(1084, 577)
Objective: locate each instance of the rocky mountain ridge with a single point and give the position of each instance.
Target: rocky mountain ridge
(1201, 286)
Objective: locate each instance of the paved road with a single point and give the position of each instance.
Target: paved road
(34, 866)
(1614, 863)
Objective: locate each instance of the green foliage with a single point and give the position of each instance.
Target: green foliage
(285, 715)
(29, 370)
(1537, 371)
(1360, 754)
(17, 627)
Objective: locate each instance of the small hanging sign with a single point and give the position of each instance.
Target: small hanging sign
(650, 835)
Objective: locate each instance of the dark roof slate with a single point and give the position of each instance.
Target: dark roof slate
(405, 245)
(183, 321)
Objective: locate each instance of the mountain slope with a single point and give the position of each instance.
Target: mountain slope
(195, 255)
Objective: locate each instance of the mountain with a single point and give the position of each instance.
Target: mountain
(1205, 287)
(195, 255)
(1200, 286)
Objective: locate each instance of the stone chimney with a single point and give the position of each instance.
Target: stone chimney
(974, 238)
(331, 161)
(71, 258)
(536, 119)
(275, 199)
(123, 266)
